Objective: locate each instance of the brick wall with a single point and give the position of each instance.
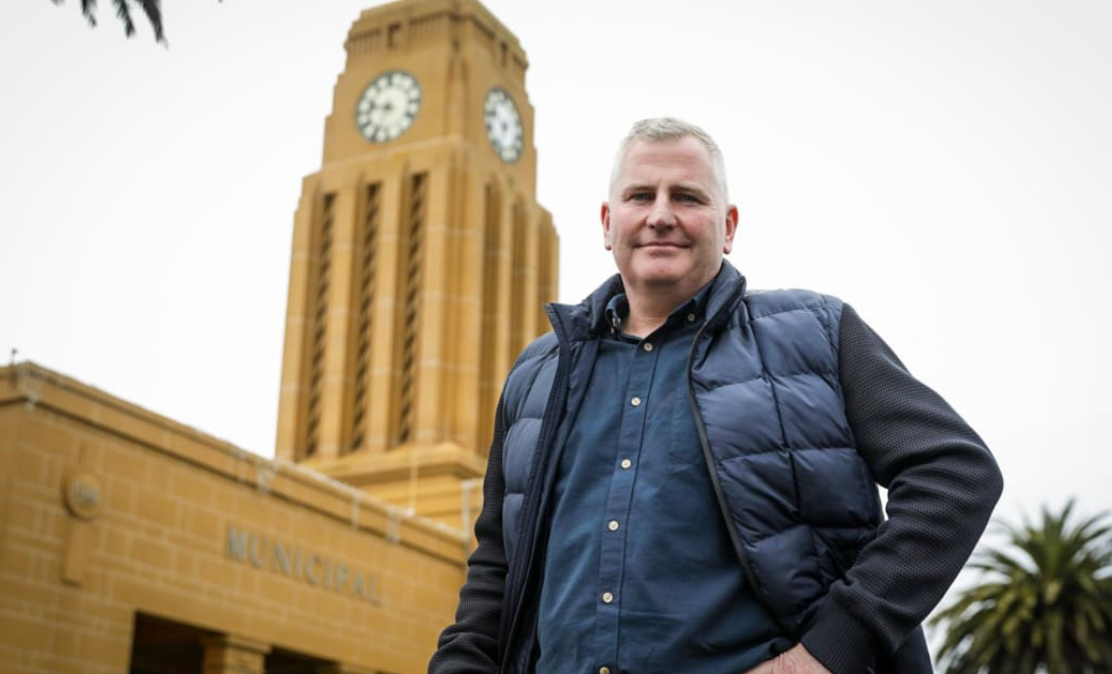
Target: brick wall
(108, 509)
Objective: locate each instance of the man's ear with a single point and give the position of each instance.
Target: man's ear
(731, 228)
(605, 217)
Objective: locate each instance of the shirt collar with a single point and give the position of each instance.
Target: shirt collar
(617, 308)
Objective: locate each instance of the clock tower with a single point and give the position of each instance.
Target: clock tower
(420, 259)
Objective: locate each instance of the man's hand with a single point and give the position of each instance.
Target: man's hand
(795, 661)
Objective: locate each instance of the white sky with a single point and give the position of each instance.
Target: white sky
(944, 166)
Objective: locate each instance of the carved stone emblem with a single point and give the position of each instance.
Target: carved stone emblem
(83, 495)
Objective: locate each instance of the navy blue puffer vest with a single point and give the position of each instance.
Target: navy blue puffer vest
(763, 383)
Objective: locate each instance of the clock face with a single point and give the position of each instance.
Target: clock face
(503, 125)
(388, 106)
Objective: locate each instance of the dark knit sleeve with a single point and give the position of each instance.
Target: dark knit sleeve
(942, 485)
(470, 645)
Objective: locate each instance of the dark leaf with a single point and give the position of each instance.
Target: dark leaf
(153, 10)
(89, 9)
(124, 15)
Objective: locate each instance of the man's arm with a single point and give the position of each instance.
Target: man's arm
(471, 644)
(942, 486)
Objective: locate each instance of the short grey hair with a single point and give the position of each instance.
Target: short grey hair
(670, 128)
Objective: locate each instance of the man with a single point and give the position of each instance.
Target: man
(682, 477)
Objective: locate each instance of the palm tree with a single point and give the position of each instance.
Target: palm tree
(1045, 606)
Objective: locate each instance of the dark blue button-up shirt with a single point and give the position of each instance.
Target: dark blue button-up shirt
(640, 574)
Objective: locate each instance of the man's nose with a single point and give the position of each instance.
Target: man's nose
(661, 214)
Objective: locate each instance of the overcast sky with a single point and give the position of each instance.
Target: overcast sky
(944, 166)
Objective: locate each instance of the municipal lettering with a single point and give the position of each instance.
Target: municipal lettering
(312, 568)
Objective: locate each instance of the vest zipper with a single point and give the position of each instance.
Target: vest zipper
(708, 458)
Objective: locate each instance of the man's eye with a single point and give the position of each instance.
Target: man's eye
(689, 198)
(641, 196)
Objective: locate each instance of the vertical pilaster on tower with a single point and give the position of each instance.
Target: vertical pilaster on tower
(336, 295)
(382, 403)
(420, 258)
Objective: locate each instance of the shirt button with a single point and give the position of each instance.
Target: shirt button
(603, 670)
(691, 318)
(647, 346)
(635, 402)
(607, 597)
(612, 525)
(626, 463)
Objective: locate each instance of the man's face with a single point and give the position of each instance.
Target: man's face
(667, 221)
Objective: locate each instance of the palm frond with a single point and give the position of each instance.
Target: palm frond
(1044, 603)
(151, 8)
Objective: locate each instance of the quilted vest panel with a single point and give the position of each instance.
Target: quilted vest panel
(526, 394)
(799, 497)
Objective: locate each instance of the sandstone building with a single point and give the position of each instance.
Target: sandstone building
(130, 542)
